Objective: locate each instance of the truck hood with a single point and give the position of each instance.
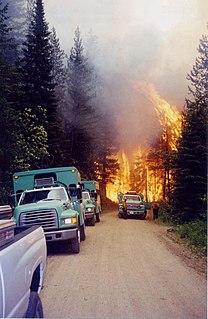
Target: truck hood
(88, 205)
(42, 205)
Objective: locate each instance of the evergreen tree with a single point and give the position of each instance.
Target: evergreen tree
(58, 56)
(107, 165)
(37, 80)
(189, 198)
(81, 91)
(7, 113)
(199, 74)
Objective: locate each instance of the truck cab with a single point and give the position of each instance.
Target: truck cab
(51, 198)
(89, 207)
(94, 191)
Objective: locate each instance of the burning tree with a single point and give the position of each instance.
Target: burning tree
(151, 168)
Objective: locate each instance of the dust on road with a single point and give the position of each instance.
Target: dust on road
(125, 269)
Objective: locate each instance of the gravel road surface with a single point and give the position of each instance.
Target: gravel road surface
(126, 269)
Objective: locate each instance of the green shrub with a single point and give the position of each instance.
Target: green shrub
(196, 234)
(164, 215)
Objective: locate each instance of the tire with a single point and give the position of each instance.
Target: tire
(75, 243)
(98, 217)
(82, 232)
(92, 221)
(143, 216)
(35, 309)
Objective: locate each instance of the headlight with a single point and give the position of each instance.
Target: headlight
(89, 209)
(72, 220)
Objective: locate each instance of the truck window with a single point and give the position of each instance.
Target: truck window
(46, 178)
(43, 195)
(85, 195)
(132, 197)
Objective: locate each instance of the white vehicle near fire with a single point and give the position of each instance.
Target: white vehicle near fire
(132, 204)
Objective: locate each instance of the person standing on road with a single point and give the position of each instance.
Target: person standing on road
(155, 208)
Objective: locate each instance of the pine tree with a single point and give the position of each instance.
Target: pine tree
(8, 90)
(189, 198)
(38, 82)
(58, 56)
(16, 13)
(199, 74)
(107, 162)
(37, 65)
(81, 91)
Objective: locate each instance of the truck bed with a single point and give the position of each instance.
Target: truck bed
(19, 232)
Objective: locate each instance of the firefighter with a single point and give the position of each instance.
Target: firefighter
(155, 208)
(124, 208)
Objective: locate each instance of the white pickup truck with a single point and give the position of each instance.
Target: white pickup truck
(22, 265)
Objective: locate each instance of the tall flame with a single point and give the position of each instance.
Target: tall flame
(137, 171)
(169, 117)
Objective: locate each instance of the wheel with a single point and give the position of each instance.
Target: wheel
(82, 232)
(143, 216)
(92, 221)
(98, 217)
(75, 243)
(35, 309)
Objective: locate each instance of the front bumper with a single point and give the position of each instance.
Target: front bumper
(135, 212)
(89, 215)
(62, 234)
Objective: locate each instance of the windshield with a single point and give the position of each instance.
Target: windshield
(132, 197)
(43, 195)
(85, 195)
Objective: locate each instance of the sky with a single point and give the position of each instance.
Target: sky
(152, 41)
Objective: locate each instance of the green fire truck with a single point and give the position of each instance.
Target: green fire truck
(51, 198)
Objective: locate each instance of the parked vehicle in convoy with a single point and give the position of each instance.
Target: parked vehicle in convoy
(89, 208)
(132, 204)
(22, 265)
(93, 188)
(5, 212)
(51, 198)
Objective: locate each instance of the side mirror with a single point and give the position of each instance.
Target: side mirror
(72, 190)
(79, 194)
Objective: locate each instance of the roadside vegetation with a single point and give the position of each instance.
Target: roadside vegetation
(194, 233)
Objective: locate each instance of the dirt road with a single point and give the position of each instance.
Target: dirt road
(126, 269)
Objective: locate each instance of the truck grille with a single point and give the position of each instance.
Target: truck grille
(45, 218)
(133, 206)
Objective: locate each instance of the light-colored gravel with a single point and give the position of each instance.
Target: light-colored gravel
(125, 270)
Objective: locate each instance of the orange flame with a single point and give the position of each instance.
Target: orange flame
(121, 182)
(137, 171)
(169, 117)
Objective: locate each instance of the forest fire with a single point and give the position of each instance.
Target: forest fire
(168, 116)
(143, 169)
